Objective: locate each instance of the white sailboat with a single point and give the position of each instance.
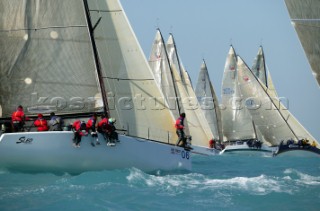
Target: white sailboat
(195, 120)
(239, 133)
(305, 17)
(75, 58)
(208, 102)
(271, 117)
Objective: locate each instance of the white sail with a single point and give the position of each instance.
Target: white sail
(195, 120)
(259, 69)
(134, 97)
(160, 65)
(305, 18)
(208, 102)
(272, 119)
(236, 120)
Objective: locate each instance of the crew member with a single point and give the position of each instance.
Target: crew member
(41, 123)
(91, 128)
(180, 130)
(18, 119)
(55, 122)
(80, 129)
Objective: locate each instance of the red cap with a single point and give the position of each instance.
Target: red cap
(40, 115)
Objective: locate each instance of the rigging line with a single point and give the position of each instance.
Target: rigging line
(97, 10)
(171, 72)
(41, 28)
(305, 19)
(128, 79)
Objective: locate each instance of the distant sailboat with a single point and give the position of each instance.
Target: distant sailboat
(195, 120)
(75, 58)
(209, 102)
(305, 17)
(237, 126)
(272, 119)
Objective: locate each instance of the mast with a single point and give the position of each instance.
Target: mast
(264, 66)
(96, 58)
(176, 51)
(174, 84)
(214, 103)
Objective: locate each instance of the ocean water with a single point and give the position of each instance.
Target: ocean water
(228, 182)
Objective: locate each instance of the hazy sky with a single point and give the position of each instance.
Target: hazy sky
(204, 29)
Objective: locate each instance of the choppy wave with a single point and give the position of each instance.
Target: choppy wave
(225, 183)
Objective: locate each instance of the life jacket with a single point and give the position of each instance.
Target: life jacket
(18, 116)
(102, 122)
(41, 124)
(80, 127)
(91, 123)
(179, 123)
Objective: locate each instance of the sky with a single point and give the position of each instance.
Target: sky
(205, 29)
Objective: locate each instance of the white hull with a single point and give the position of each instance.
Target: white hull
(54, 152)
(204, 150)
(245, 149)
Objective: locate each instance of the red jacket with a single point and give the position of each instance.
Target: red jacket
(179, 123)
(77, 126)
(103, 121)
(91, 124)
(41, 124)
(18, 115)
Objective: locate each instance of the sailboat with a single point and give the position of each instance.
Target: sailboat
(305, 18)
(239, 132)
(76, 58)
(209, 103)
(196, 122)
(276, 124)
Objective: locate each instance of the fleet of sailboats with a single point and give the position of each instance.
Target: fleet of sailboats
(77, 58)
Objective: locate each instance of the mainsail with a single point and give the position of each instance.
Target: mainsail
(305, 17)
(133, 95)
(272, 119)
(195, 120)
(209, 102)
(46, 58)
(236, 120)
